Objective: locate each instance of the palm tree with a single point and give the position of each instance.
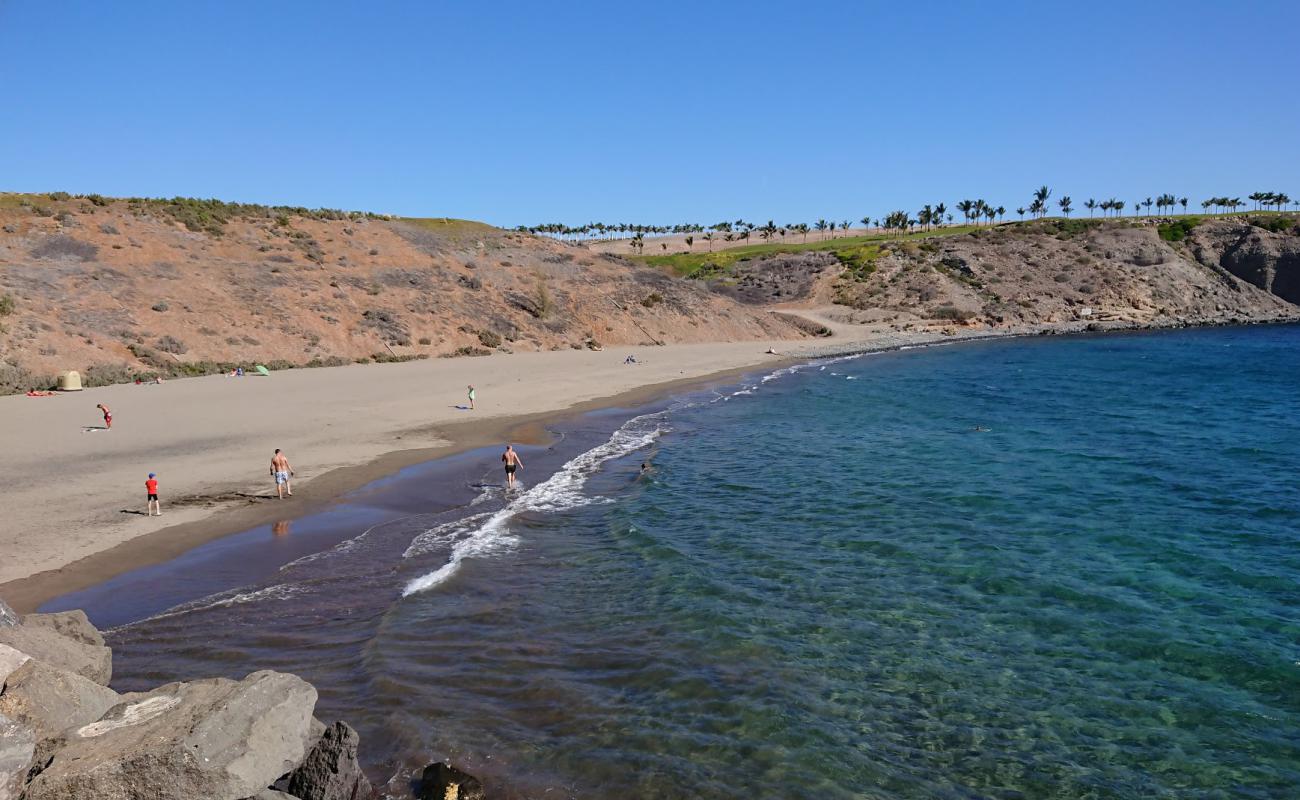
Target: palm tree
(820, 225)
(866, 222)
(1091, 205)
(1147, 204)
(1182, 201)
(708, 237)
(1064, 203)
(690, 243)
(1281, 199)
(939, 211)
(966, 207)
(1021, 212)
(1040, 196)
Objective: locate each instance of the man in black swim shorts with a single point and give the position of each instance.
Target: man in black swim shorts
(512, 462)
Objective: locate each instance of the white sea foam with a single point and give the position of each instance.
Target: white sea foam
(232, 597)
(561, 491)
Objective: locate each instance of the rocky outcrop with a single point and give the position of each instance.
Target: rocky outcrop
(50, 700)
(17, 746)
(45, 642)
(216, 738)
(66, 736)
(443, 782)
(331, 770)
(10, 660)
(1266, 255)
(72, 624)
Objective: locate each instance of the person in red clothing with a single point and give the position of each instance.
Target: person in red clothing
(151, 487)
(108, 415)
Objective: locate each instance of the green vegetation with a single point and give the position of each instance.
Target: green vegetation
(1179, 229)
(7, 305)
(857, 253)
(449, 227)
(1275, 224)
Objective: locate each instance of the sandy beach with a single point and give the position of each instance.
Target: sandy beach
(74, 493)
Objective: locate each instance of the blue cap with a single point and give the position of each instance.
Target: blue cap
(150, 474)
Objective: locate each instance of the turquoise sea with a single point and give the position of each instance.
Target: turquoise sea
(1035, 568)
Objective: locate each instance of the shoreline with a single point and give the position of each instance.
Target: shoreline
(28, 593)
(326, 489)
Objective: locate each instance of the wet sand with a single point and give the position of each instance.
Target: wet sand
(71, 518)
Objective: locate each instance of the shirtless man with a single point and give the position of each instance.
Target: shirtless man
(108, 415)
(282, 472)
(512, 462)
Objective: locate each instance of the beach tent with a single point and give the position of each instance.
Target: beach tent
(261, 370)
(70, 381)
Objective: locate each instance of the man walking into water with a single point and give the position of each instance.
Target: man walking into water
(282, 472)
(512, 462)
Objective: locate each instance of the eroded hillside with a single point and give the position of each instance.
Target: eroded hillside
(1053, 271)
(116, 288)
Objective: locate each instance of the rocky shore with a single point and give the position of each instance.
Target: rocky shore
(64, 735)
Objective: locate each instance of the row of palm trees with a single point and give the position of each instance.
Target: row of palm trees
(928, 217)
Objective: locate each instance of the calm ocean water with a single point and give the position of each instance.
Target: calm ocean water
(831, 585)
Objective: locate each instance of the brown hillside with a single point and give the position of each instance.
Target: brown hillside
(116, 287)
(1055, 271)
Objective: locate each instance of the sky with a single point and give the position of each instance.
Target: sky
(649, 113)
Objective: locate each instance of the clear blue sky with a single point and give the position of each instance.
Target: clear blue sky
(524, 112)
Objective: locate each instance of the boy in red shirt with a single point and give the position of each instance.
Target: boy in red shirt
(151, 487)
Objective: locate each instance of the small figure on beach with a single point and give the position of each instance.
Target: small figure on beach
(772, 352)
(630, 360)
(281, 472)
(151, 496)
(108, 415)
(471, 398)
(512, 462)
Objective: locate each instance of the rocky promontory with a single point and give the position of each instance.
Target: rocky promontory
(65, 735)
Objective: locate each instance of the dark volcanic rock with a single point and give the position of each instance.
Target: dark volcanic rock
(443, 782)
(331, 771)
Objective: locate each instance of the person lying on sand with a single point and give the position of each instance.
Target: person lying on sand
(281, 472)
(108, 415)
(512, 462)
(630, 360)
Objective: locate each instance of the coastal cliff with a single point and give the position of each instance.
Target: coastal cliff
(64, 735)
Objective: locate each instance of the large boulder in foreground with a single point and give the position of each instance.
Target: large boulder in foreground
(10, 660)
(214, 739)
(45, 642)
(50, 700)
(443, 782)
(72, 624)
(17, 746)
(331, 770)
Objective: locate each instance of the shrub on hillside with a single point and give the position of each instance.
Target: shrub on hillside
(489, 338)
(7, 304)
(170, 344)
(1178, 230)
(953, 313)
